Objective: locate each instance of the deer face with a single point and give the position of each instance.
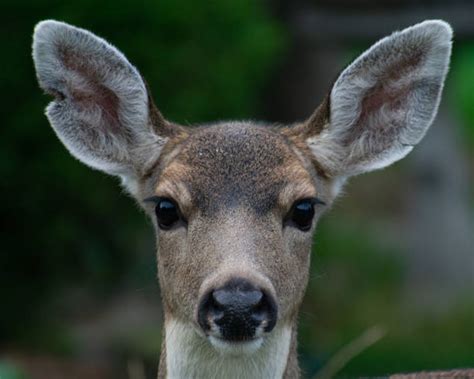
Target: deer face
(234, 208)
(235, 204)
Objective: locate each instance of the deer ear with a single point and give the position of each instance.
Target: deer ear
(101, 110)
(382, 104)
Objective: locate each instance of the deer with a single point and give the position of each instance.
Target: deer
(234, 204)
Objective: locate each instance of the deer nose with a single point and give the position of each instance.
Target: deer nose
(237, 309)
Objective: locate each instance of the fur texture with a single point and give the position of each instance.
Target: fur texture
(384, 102)
(101, 110)
(190, 356)
(235, 183)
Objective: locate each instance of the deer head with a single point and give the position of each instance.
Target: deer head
(235, 204)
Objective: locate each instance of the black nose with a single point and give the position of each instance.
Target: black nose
(238, 308)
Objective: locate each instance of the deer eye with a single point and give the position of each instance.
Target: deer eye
(301, 214)
(167, 212)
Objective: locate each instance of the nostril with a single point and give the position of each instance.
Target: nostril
(260, 311)
(265, 312)
(215, 310)
(206, 309)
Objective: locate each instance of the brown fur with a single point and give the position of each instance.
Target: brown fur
(235, 182)
(298, 134)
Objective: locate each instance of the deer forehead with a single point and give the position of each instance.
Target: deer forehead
(237, 164)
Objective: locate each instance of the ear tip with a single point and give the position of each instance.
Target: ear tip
(438, 25)
(49, 32)
(45, 33)
(438, 31)
(47, 28)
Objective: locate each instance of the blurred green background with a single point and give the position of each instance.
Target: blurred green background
(78, 282)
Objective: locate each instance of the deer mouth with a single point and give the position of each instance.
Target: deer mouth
(236, 347)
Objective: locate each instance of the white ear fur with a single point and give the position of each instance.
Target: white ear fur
(101, 108)
(384, 102)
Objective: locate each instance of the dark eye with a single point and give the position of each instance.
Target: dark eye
(301, 214)
(167, 213)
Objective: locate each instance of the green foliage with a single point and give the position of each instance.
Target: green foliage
(64, 224)
(356, 284)
(461, 86)
(203, 62)
(144, 342)
(426, 342)
(353, 286)
(8, 371)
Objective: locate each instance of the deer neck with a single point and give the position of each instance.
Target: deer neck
(186, 355)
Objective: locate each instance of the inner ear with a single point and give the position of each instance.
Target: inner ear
(383, 106)
(102, 110)
(383, 103)
(86, 86)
